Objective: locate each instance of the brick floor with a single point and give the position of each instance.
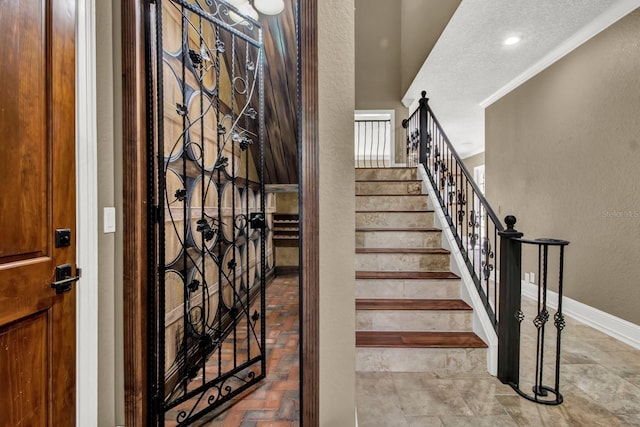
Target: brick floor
(275, 401)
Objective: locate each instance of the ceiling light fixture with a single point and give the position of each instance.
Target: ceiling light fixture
(510, 41)
(269, 7)
(266, 7)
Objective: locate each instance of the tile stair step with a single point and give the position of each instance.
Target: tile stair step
(398, 237)
(407, 284)
(402, 259)
(388, 187)
(397, 314)
(392, 202)
(410, 288)
(394, 218)
(458, 360)
(386, 173)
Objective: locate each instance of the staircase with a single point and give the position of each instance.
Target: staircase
(409, 315)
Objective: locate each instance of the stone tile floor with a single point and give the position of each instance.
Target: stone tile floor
(599, 379)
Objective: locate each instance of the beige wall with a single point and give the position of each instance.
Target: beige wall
(393, 39)
(474, 161)
(336, 213)
(562, 154)
(110, 355)
(377, 66)
(422, 23)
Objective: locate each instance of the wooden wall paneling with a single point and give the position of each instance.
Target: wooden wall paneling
(309, 204)
(134, 213)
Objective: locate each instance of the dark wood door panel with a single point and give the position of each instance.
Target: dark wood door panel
(23, 130)
(24, 369)
(37, 196)
(20, 294)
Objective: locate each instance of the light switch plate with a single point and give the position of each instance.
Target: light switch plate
(110, 220)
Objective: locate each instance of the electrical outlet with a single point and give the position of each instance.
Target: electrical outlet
(532, 276)
(526, 277)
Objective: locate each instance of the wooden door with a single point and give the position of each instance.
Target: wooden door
(37, 197)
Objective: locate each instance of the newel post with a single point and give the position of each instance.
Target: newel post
(424, 131)
(509, 304)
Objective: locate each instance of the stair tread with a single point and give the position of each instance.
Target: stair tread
(394, 211)
(395, 339)
(406, 275)
(411, 304)
(401, 251)
(389, 180)
(390, 194)
(417, 229)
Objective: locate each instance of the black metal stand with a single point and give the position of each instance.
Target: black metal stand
(512, 315)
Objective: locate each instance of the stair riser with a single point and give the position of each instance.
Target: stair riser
(391, 203)
(394, 219)
(402, 262)
(398, 239)
(421, 360)
(388, 188)
(413, 320)
(388, 173)
(418, 289)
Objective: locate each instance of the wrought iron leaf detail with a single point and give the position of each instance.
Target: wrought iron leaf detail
(221, 163)
(519, 316)
(196, 59)
(182, 110)
(181, 194)
(194, 285)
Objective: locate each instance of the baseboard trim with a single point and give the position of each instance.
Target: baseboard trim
(620, 329)
(283, 270)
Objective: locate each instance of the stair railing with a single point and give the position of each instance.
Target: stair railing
(491, 252)
(473, 222)
(373, 143)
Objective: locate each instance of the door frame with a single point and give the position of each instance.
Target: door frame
(86, 217)
(134, 214)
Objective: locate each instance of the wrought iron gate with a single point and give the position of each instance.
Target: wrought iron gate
(206, 212)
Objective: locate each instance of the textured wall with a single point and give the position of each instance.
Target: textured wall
(106, 197)
(422, 23)
(562, 154)
(337, 212)
(377, 66)
(109, 134)
(474, 161)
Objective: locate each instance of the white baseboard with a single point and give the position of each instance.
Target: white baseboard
(482, 325)
(620, 329)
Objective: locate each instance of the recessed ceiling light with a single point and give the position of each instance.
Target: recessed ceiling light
(510, 41)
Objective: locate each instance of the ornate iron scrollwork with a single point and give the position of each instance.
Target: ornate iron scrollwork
(487, 251)
(207, 323)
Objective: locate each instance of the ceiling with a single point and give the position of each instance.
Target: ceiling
(281, 99)
(469, 67)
